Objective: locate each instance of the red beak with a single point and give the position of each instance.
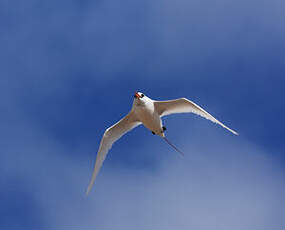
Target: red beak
(137, 95)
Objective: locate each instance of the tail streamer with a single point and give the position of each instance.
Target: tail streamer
(173, 146)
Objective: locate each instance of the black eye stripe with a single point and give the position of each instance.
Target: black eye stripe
(142, 95)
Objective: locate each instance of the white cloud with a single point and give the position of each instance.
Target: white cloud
(226, 185)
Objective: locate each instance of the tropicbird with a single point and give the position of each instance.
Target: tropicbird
(147, 112)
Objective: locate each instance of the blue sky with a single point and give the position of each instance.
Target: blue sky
(69, 70)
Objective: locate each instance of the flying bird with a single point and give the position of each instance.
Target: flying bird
(147, 112)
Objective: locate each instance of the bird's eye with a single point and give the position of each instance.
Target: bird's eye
(142, 95)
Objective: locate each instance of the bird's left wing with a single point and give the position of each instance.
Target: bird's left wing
(183, 105)
(111, 135)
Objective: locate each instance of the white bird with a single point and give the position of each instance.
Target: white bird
(147, 112)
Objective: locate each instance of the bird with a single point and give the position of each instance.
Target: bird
(147, 112)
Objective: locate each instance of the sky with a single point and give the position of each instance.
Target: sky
(69, 70)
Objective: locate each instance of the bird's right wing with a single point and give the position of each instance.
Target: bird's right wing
(111, 135)
(183, 105)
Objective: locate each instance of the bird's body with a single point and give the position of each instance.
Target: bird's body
(147, 112)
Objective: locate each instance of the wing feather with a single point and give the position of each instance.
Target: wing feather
(183, 105)
(111, 135)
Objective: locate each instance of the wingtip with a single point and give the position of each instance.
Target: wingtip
(89, 188)
(234, 132)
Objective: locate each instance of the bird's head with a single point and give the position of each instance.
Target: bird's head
(140, 98)
(138, 95)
